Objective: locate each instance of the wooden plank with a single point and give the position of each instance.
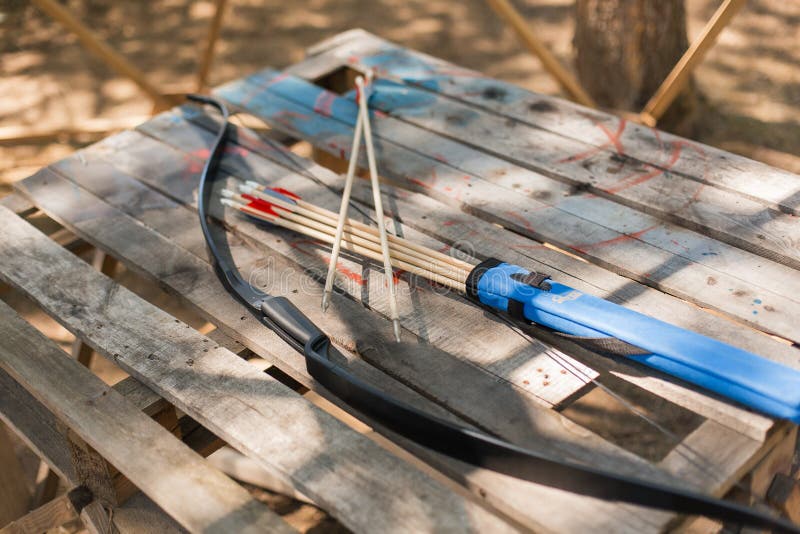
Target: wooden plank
(151, 458)
(774, 188)
(614, 236)
(36, 426)
(441, 220)
(97, 519)
(140, 515)
(346, 473)
(509, 495)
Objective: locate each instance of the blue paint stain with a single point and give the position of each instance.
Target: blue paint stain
(709, 254)
(392, 97)
(755, 312)
(756, 301)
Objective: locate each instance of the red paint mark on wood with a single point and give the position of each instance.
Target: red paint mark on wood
(301, 244)
(426, 185)
(324, 103)
(614, 139)
(419, 183)
(520, 219)
(396, 275)
(287, 118)
(613, 241)
(630, 181)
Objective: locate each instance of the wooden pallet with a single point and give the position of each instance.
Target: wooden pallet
(660, 224)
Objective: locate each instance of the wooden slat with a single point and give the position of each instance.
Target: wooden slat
(346, 473)
(663, 255)
(150, 457)
(509, 495)
(140, 515)
(774, 188)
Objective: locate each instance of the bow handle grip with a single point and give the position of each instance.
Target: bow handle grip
(290, 320)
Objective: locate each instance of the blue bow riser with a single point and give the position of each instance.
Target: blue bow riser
(747, 378)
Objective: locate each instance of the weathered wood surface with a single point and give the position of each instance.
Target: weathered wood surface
(422, 305)
(343, 471)
(178, 135)
(706, 440)
(456, 227)
(44, 435)
(611, 172)
(709, 437)
(774, 188)
(161, 466)
(676, 260)
(543, 430)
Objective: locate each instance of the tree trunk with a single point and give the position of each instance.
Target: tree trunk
(625, 49)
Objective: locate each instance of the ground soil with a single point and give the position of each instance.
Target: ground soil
(750, 82)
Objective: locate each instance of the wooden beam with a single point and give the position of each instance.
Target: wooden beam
(573, 88)
(211, 42)
(679, 76)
